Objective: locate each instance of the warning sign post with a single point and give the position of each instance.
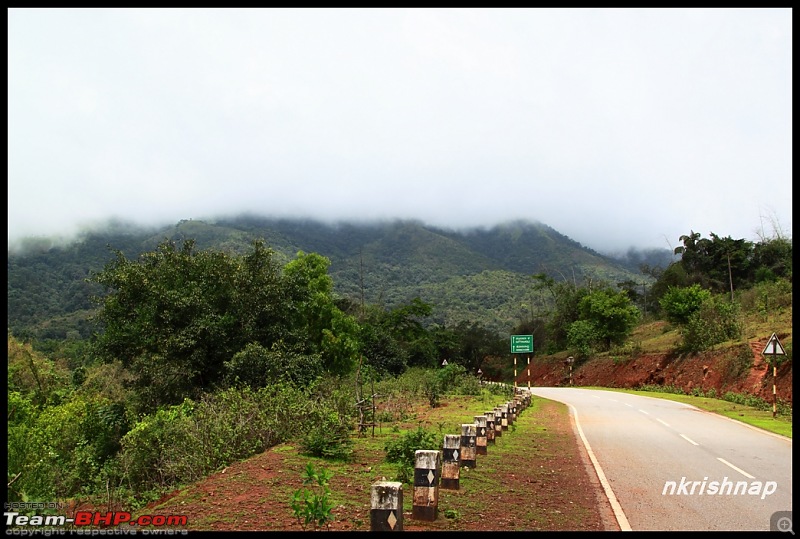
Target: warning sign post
(771, 351)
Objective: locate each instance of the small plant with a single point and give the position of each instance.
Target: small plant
(313, 506)
(403, 451)
(451, 514)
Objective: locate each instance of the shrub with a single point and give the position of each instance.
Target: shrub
(328, 438)
(403, 450)
(716, 321)
(679, 303)
(581, 336)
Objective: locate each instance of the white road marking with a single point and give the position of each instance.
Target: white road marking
(689, 439)
(723, 461)
(622, 520)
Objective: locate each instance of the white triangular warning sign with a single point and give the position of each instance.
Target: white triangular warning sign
(773, 347)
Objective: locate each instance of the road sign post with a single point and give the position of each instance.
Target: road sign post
(773, 349)
(520, 344)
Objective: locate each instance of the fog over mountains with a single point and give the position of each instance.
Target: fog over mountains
(479, 274)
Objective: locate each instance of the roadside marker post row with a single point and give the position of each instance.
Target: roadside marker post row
(441, 468)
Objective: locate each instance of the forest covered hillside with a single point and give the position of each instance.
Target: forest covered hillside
(480, 274)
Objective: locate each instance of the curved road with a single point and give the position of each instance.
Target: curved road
(670, 466)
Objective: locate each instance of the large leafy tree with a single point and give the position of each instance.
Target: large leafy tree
(717, 263)
(405, 322)
(177, 317)
(566, 298)
(169, 317)
(394, 339)
(610, 313)
(327, 330)
(679, 303)
(729, 263)
(474, 343)
(772, 259)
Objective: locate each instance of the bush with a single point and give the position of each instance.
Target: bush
(403, 450)
(186, 442)
(256, 366)
(716, 321)
(328, 438)
(768, 296)
(679, 303)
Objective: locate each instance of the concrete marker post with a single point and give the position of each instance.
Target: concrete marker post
(426, 484)
(451, 467)
(386, 514)
(481, 437)
(498, 422)
(490, 427)
(468, 445)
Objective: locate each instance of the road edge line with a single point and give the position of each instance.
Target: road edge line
(622, 520)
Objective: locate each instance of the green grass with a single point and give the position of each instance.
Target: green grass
(746, 414)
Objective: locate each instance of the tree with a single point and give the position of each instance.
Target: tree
(175, 317)
(405, 323)
(729, 262)
(566, 299)
(679, 304)
(582, 336)
(381, 350)
(673, 276)
(329, 331)
(474, 343)
(611, 314)
(772, 258)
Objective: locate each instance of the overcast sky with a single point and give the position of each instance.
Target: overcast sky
(616, 127)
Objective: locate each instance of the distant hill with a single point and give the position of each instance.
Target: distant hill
(480, 274)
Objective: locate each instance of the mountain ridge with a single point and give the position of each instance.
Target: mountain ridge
(481, 274)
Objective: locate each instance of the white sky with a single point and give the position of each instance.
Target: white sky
(616, 127)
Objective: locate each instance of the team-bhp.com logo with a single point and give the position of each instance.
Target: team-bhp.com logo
(94, 523)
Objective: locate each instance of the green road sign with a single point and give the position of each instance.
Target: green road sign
(522, 344)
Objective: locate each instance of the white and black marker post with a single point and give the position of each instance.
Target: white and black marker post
(426, 484)
(468, 445)
(498, 422)
(386, 514)
(773, 349)
(490, 428)
(481, 437)
(451, 467)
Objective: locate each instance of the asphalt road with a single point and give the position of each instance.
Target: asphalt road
(671, 466)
